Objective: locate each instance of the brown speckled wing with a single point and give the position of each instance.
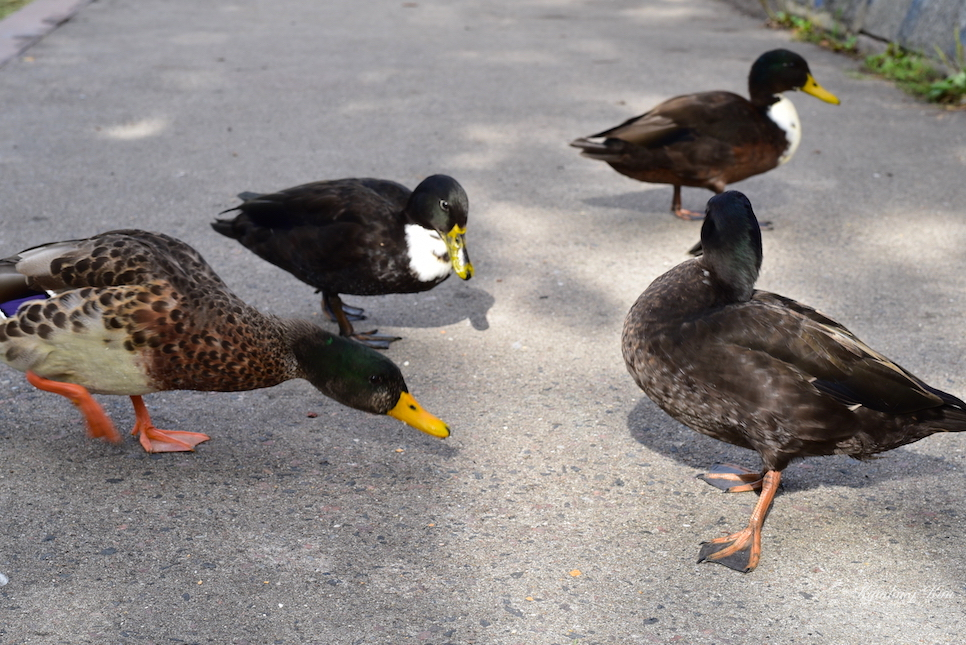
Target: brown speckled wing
(155, 301)
(115, 258)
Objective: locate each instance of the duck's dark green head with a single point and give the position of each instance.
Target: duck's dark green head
(781, 70)
(361, 378)
(731, 240)
(440, 203)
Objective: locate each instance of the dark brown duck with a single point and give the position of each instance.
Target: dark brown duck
(712, 139)
(767, 373)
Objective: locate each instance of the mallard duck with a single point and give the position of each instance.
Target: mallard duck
(765, 372)
(365, 237)
(131, 312)
(712, 139)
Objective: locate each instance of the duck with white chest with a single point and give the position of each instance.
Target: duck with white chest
(712, 139)
(363, 237)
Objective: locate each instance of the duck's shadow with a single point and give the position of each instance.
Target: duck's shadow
(651, 427)
(655, 200)
(658, 200)
(447, 304)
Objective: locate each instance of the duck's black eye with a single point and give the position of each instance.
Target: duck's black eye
(377, 379)
(444, 205)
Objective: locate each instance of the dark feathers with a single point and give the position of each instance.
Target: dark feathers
(711, 139)
(762, 371)
(358, 236)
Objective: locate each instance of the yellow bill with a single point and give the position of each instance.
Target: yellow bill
(456, 245)
(411, 413)
(812, 87)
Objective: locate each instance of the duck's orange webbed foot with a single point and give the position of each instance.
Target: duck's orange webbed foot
(156, 440)
(98, 423)
(683, 213)
(732, 478)
(741, 551)
(686, 215)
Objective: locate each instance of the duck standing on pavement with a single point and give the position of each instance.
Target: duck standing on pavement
(130, 312)
(765, 372)
(364, 237)
(712, 139)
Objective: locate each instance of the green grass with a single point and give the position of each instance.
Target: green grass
(911, 71)
(952, 88)
(7, 7)
(916, 75)
(836, 39)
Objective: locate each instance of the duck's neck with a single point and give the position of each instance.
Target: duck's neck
(735, 273)
(310, 345)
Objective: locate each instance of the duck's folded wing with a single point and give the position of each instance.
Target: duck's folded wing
(646, 130)
(115, 258)
(828, 356)
(719, 115)
(319, 203)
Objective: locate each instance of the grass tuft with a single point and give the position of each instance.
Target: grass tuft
(835, 39)
(7, 7)
(917, 76)
(911, 71)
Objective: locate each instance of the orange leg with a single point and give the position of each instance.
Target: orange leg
(683, 213)
(98, 423)
(740, 551)
(156, 440)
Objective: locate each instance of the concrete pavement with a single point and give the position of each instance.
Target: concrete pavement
(23, 28)
(564, 509)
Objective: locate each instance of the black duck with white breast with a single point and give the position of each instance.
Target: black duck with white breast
(365, 237)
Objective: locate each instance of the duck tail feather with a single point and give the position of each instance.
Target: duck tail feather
(226, 227)
(599, 150)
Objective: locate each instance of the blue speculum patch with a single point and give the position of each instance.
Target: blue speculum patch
(10, 307)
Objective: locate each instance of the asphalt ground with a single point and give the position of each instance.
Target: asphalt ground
(565, 507)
